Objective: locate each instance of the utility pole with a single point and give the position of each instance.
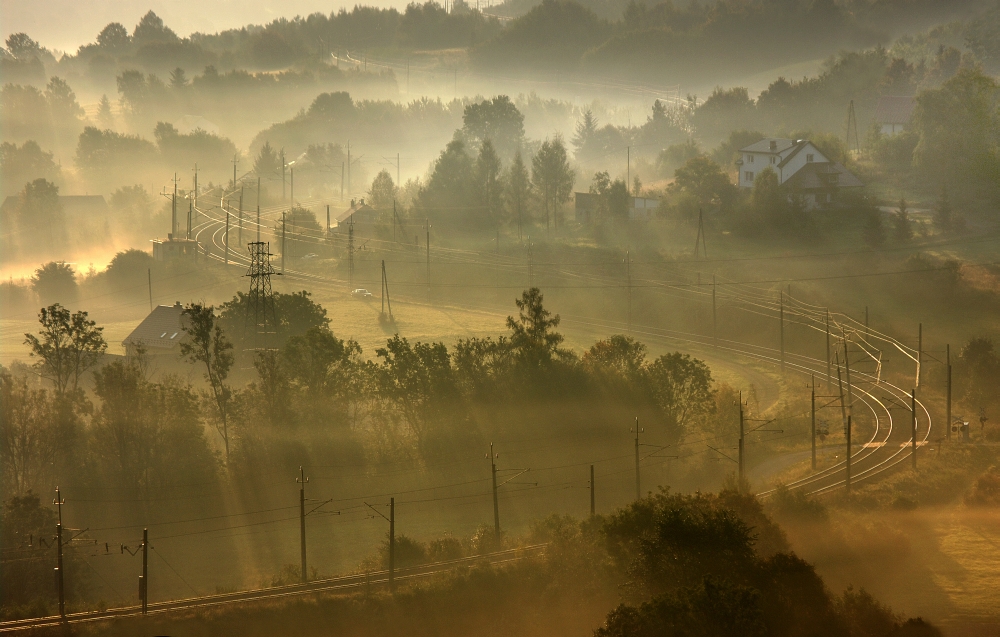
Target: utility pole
(812, 428)
(700, 238)
(496, 502)
(948, 396)
(913, 426)
(392, 542)
(350, 252)
(328, 219)
(196, 190)
(628, 270)
(282, 241)
(920, 352)
(173, 210)
(228, 215)
(302, 480)
(149, 279)
(847, 482)
(850, 392)
(781, 320)
(60, 589)
(144, 580)
(190, 214)
(240, 236)
(385, 292)
(843, 403)
(637, 430)
(741, 445)
(235, 161)
(593, 500)
(829, 378)
(715, 322)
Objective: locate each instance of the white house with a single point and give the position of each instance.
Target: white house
(801, 168)
(893, 113)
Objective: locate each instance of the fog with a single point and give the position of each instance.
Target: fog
(635, 319)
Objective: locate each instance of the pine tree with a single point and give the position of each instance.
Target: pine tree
(874, 229)
(585, 129)
(105, 118)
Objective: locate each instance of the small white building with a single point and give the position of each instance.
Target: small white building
(893, 113)
(800, 167)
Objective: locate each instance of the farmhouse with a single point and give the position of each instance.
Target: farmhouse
(802, 169)
(893, 113)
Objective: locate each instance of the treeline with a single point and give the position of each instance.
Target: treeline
(108, 422)
(667, 43)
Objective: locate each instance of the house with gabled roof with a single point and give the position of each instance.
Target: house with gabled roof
(159, 333)
(802, 170)
(893, 113)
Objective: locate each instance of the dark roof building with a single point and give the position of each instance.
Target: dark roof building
(893, 113)
(160, 332)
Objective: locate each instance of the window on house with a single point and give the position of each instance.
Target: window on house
(809, 157)
(749, 176)
(774, 160)
(751, 159)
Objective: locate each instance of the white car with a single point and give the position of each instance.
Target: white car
(361, 293)
(310, 256)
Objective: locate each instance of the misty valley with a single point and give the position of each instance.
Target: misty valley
(569, 318)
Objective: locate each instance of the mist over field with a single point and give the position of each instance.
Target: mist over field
(564, 318)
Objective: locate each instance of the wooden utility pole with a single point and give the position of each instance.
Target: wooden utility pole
(913, 426)
(144, 579)
(496, 501)
(812, 428)
(829, 376)
(228, 215)
(920, 352)
(742, 446)
(392, 542)
(302, 480)
(282, 241)
(781, 321)
(240, 236)
(847, 482)
(60, 585)
(840, 386)
(850, 391)
(638, 430)
(628, 274)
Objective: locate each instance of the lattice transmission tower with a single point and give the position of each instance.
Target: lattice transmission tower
(260, 316)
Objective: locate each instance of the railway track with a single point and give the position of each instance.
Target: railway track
(333, 584)
(888, 446)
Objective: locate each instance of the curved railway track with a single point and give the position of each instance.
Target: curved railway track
(333, 584)
(888, 446)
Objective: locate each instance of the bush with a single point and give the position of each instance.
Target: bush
(986, 490)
